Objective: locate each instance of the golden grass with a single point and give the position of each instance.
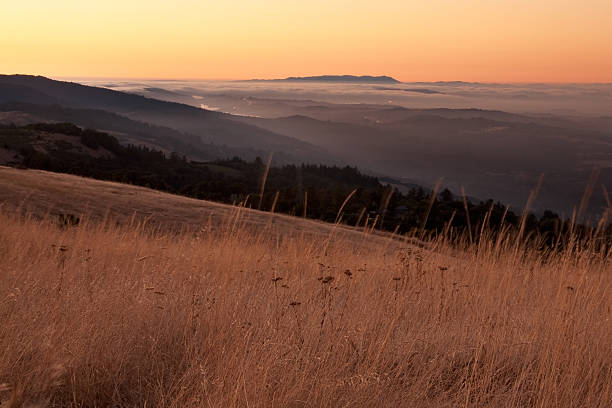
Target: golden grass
(42, 193)
(188, 303)
(251, 316)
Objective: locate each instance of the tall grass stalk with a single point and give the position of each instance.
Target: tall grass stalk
(264, 178)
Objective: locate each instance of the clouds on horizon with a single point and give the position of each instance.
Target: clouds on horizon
(569, 99)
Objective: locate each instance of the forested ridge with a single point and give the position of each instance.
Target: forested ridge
(316, 191)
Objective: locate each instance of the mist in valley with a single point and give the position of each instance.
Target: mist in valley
(494, 140)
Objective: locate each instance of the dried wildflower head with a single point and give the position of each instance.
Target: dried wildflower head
(294, 304)
(278, 278)
(61, 248)
(327, 279)
(348, 273)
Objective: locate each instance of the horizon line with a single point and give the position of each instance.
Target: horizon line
(201, 79)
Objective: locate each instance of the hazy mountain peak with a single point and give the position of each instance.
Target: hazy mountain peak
(366, 79)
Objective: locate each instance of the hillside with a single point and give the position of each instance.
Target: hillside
(141, 297)
(45, 194)
(489, 153)
(208, 127)
(308, 190)
(66, 148)
(126, 130)
(220, 306)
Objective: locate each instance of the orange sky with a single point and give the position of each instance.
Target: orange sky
(470, 40)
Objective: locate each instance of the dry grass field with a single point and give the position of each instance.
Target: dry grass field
(43, 193)
(238, 308)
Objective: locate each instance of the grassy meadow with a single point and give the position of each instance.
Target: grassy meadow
(240, 308)
(124, 315)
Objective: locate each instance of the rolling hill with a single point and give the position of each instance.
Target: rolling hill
(171, 301)
(201, 127)
(45, 194)
(129, 131)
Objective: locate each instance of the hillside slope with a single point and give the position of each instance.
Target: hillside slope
(209, 127)
(261, 313)
(129, 131)
(42, 193)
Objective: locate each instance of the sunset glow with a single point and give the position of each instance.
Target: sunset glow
(471, 40)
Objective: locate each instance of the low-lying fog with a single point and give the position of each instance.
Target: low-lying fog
(566, 99)
(493, 139)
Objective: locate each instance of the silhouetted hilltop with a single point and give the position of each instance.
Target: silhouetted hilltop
(17, 92)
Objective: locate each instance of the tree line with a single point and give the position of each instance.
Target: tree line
(313, 191)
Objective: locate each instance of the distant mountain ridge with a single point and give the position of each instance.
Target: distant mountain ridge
(365, 79)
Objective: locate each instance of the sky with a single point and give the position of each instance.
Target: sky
(435, 40)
